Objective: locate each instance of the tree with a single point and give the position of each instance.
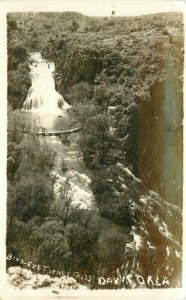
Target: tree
(74, 26)
(11, 203)
(33, 196)
(95, 140)
(112, 253)
(20, 53)
(81, 92)
(18, 124)
(82, 236)
(62, 208)
(103, 138)
(53, 248)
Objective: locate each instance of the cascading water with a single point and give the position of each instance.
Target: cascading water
(43, 99)
(46, 105)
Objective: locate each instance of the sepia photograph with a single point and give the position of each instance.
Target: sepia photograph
(94, 148)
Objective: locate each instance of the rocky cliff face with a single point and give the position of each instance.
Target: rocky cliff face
(78, 65)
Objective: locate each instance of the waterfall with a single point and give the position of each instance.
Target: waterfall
(43, 100)
(42, 96)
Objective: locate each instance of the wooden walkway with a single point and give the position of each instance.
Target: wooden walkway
(57, 133)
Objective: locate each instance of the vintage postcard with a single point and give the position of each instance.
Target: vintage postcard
(92, 185)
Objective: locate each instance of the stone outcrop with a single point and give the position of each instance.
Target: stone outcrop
(23, 278)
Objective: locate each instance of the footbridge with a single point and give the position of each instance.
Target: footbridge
(45, 132)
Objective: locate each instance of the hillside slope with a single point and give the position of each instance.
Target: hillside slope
(123, 78)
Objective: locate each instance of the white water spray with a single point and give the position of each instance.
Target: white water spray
(42, 98)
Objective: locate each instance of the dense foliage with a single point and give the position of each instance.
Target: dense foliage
(40, 227)
(115, 72)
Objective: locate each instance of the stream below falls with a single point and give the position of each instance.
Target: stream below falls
(51, 113)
